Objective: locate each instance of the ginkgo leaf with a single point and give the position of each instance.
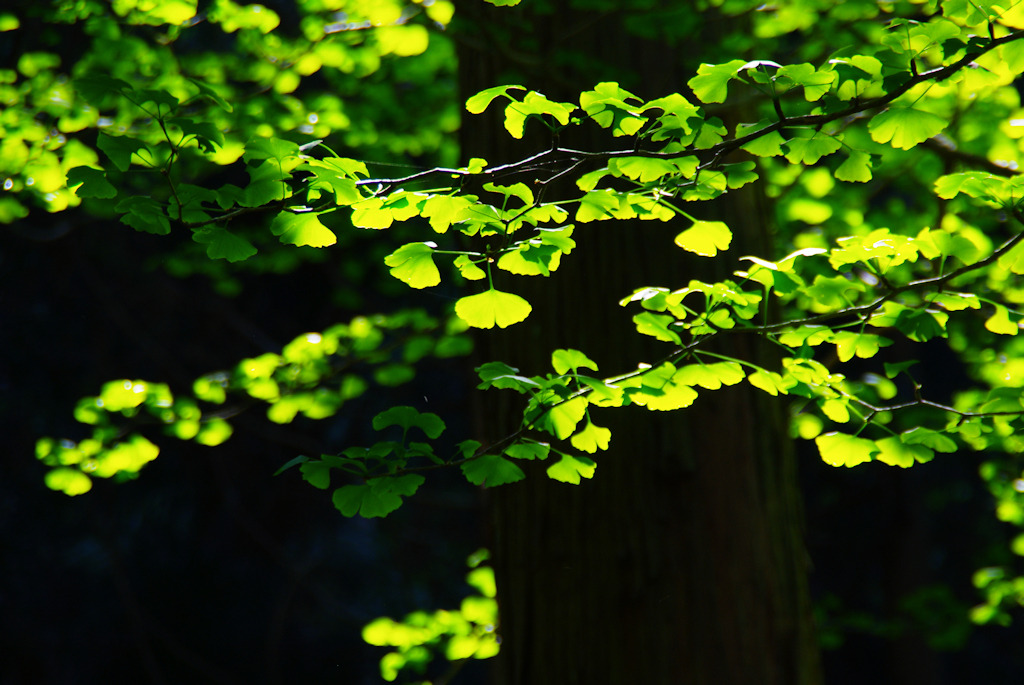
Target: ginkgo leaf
(905, 127)
(223, 244)
(302, 229)
(856, 168)
(570, 469)
(414, 264)
(809, 150)
(378, 497)
(768, 381)
(767, 145)
(561, 420)
(479, 102)
(1001, 323)
(840, 449)
(712, 80)
(895, 452)
(564, 360)
(592, 438)
(491, 470)
(90, 182)
(486, 309)
(705, 238)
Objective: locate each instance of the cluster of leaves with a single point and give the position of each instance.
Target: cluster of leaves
(849, 287)
(313, 376)
(467, 633)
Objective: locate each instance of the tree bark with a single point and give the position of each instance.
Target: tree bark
(682, 561)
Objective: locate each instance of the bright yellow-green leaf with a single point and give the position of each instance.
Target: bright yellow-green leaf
(712, 80)
(836, 409)
(414, 264)
(895, 452)
(905, 127)
(705, 238)
(592, 438)
(807, 426)
(710, 376)
(809, 150)
(486, 309)
(840, 449)
(768, 381)
(570, 469)
(562, 419)
(302, 229)
(69, 481)
(562, 361)
(856, 168)
(1000, 322)
(403, 40)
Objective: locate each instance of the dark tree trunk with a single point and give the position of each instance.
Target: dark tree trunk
(682, 561)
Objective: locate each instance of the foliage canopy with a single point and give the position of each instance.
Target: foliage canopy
(891, 154)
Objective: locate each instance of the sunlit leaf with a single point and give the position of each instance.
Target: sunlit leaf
(905, 127)
(705, 238)
(570, 469)
(302, 229)
(493, 307)
(840, 449)
(414, 264)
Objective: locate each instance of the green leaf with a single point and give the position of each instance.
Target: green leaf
(408, 417)
(91, 182)
(597, 205)
(660, 390)
(905, 127)
(570, 469)
(208, 92)
(768, 381)
(565, 360)
(856, 168)
(591, 438)
(929, 438)
(808, 151)
(895, 452)
(445, 210)
(144, 214)
(501, 375)
(710, 376)
(414, 264)
(302, 229)
(705, 238)
(223, 244)
(479, 102)
(317, 473)
(492, 307)
(94, 87)
(607, 106)
(657, 326)
(379, 497)
(562, 419)
(840, 449)
(534, 104)
(1001, 323)
(121, 148)
(529, 450)
(516, 190)
(766, 145)
(69, 481)
(491, 470)
(712, 80)
(864, 345)
(466, 264)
